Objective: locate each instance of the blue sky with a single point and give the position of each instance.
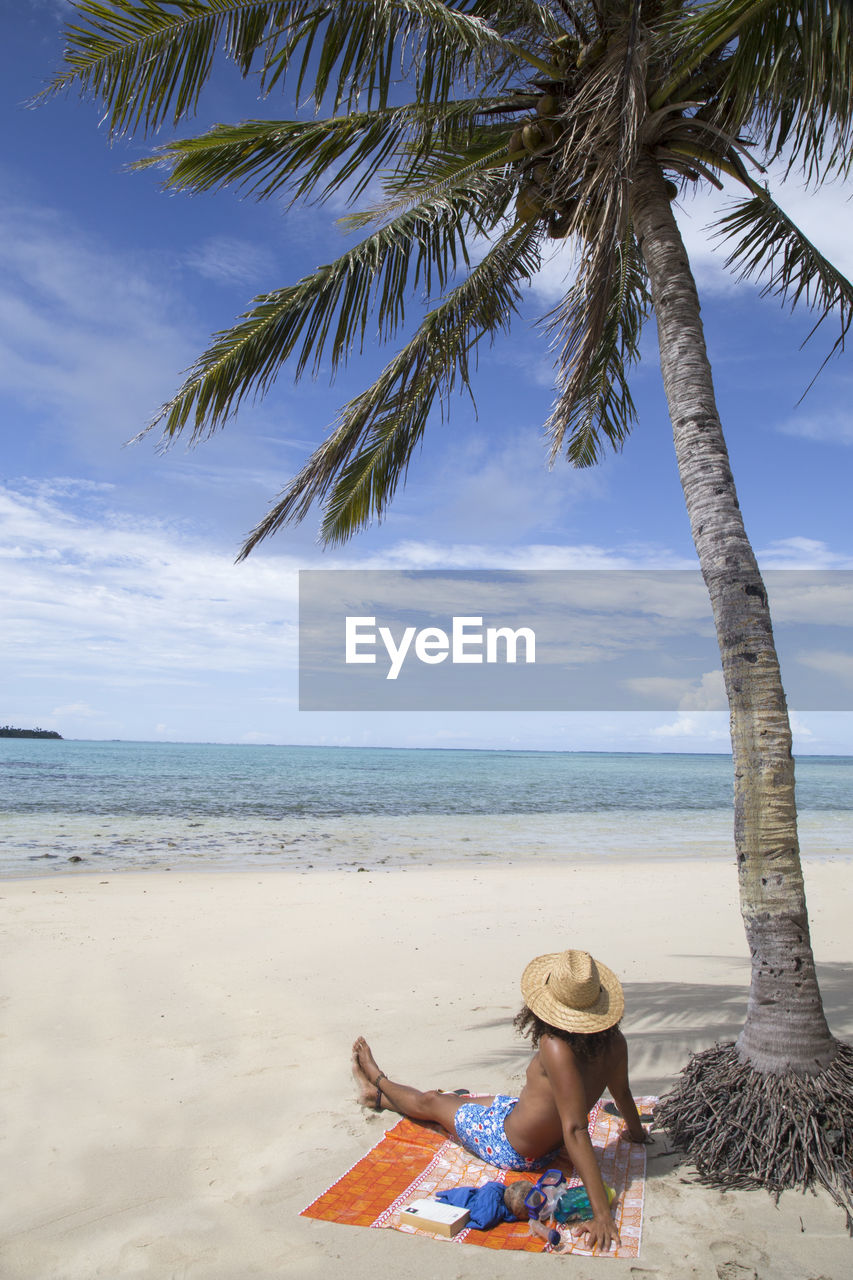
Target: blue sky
(124, 613)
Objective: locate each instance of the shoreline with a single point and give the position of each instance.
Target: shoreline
(553, 861)
(33, 847)
(177, 1081)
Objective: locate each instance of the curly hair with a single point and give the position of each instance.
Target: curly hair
(588, 1046)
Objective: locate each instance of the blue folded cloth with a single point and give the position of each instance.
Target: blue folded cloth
(485, 1204)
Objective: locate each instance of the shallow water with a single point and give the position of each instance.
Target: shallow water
(117, 805)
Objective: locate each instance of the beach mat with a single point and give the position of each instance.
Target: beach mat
(413, 1161)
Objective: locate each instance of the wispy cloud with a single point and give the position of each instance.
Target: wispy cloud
(835, 664)
(113, 597)
(115, 624)
(229, 260)
(692, 729)
(824, 219)
(833, 427)
(708, 693)
(95, 337)
(802, 553)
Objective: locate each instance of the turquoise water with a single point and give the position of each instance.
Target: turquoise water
(135, 805)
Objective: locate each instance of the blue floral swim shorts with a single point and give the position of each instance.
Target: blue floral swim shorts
(481, 1131)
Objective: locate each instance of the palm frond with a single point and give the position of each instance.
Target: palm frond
(595, 399)
(598, 317)
(148, 60)
(432, 177)
(313, 158)
(798, 63)
(359, 467)
(788, 71)
(327, 312)
(771, 246)
(696, 38)
(517, 19)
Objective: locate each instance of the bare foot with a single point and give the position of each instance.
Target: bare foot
(365, 1072)
(366, 1061)
(367, 1093)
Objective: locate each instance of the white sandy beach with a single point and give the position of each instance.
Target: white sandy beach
(176, 1072)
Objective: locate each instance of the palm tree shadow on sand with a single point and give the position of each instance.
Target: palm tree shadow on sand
(666, 1022)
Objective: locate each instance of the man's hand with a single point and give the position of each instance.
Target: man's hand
(601, 1232)
(628, 1134)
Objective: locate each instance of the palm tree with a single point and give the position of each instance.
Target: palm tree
(512, 123)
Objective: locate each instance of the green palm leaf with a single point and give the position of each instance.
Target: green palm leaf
(327, 312)
(363, 461)
(148, 61)
(788, 68)
(681, 84)
(794, 64)
(316, 158)
(772, 247)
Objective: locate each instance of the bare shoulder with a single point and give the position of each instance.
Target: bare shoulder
(558, 1059)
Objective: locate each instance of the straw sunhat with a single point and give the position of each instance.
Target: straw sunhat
(570, 990)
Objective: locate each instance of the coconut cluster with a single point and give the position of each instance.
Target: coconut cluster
(533, 145)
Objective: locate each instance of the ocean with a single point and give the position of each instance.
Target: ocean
(77, 807)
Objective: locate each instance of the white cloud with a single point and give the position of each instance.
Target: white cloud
(802, 553)
(823, 217)
(417, 554)
(94, 338)
(80, 710)
(127, 600)
(554, 278)
(111, 620)
(838, 665)
(708, 693)
(484, 487)
(800, 730)
(833, 427)
(823, 598)
(700, 727)
(229, 260)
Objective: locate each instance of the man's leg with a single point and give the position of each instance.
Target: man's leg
(376, 1090)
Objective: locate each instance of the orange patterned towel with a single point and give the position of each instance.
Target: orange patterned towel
(414, 1161)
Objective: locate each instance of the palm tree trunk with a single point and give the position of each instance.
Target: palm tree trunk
(785, 1030)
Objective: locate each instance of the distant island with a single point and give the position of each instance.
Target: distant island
(7, 731)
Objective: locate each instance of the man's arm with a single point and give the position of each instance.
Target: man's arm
(560, 1066)
(620, 1091)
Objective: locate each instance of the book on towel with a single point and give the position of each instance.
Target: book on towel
(431, 1215)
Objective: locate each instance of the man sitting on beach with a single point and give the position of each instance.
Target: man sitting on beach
(572, 1007)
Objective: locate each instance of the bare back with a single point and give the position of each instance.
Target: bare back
(562, 1087)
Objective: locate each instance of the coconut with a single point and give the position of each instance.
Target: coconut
(558, 225)
(547, 105)
(537, 136)
(528, 204)
(590, 53)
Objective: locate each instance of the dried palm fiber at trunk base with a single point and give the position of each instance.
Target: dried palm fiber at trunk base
(744, 1129)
